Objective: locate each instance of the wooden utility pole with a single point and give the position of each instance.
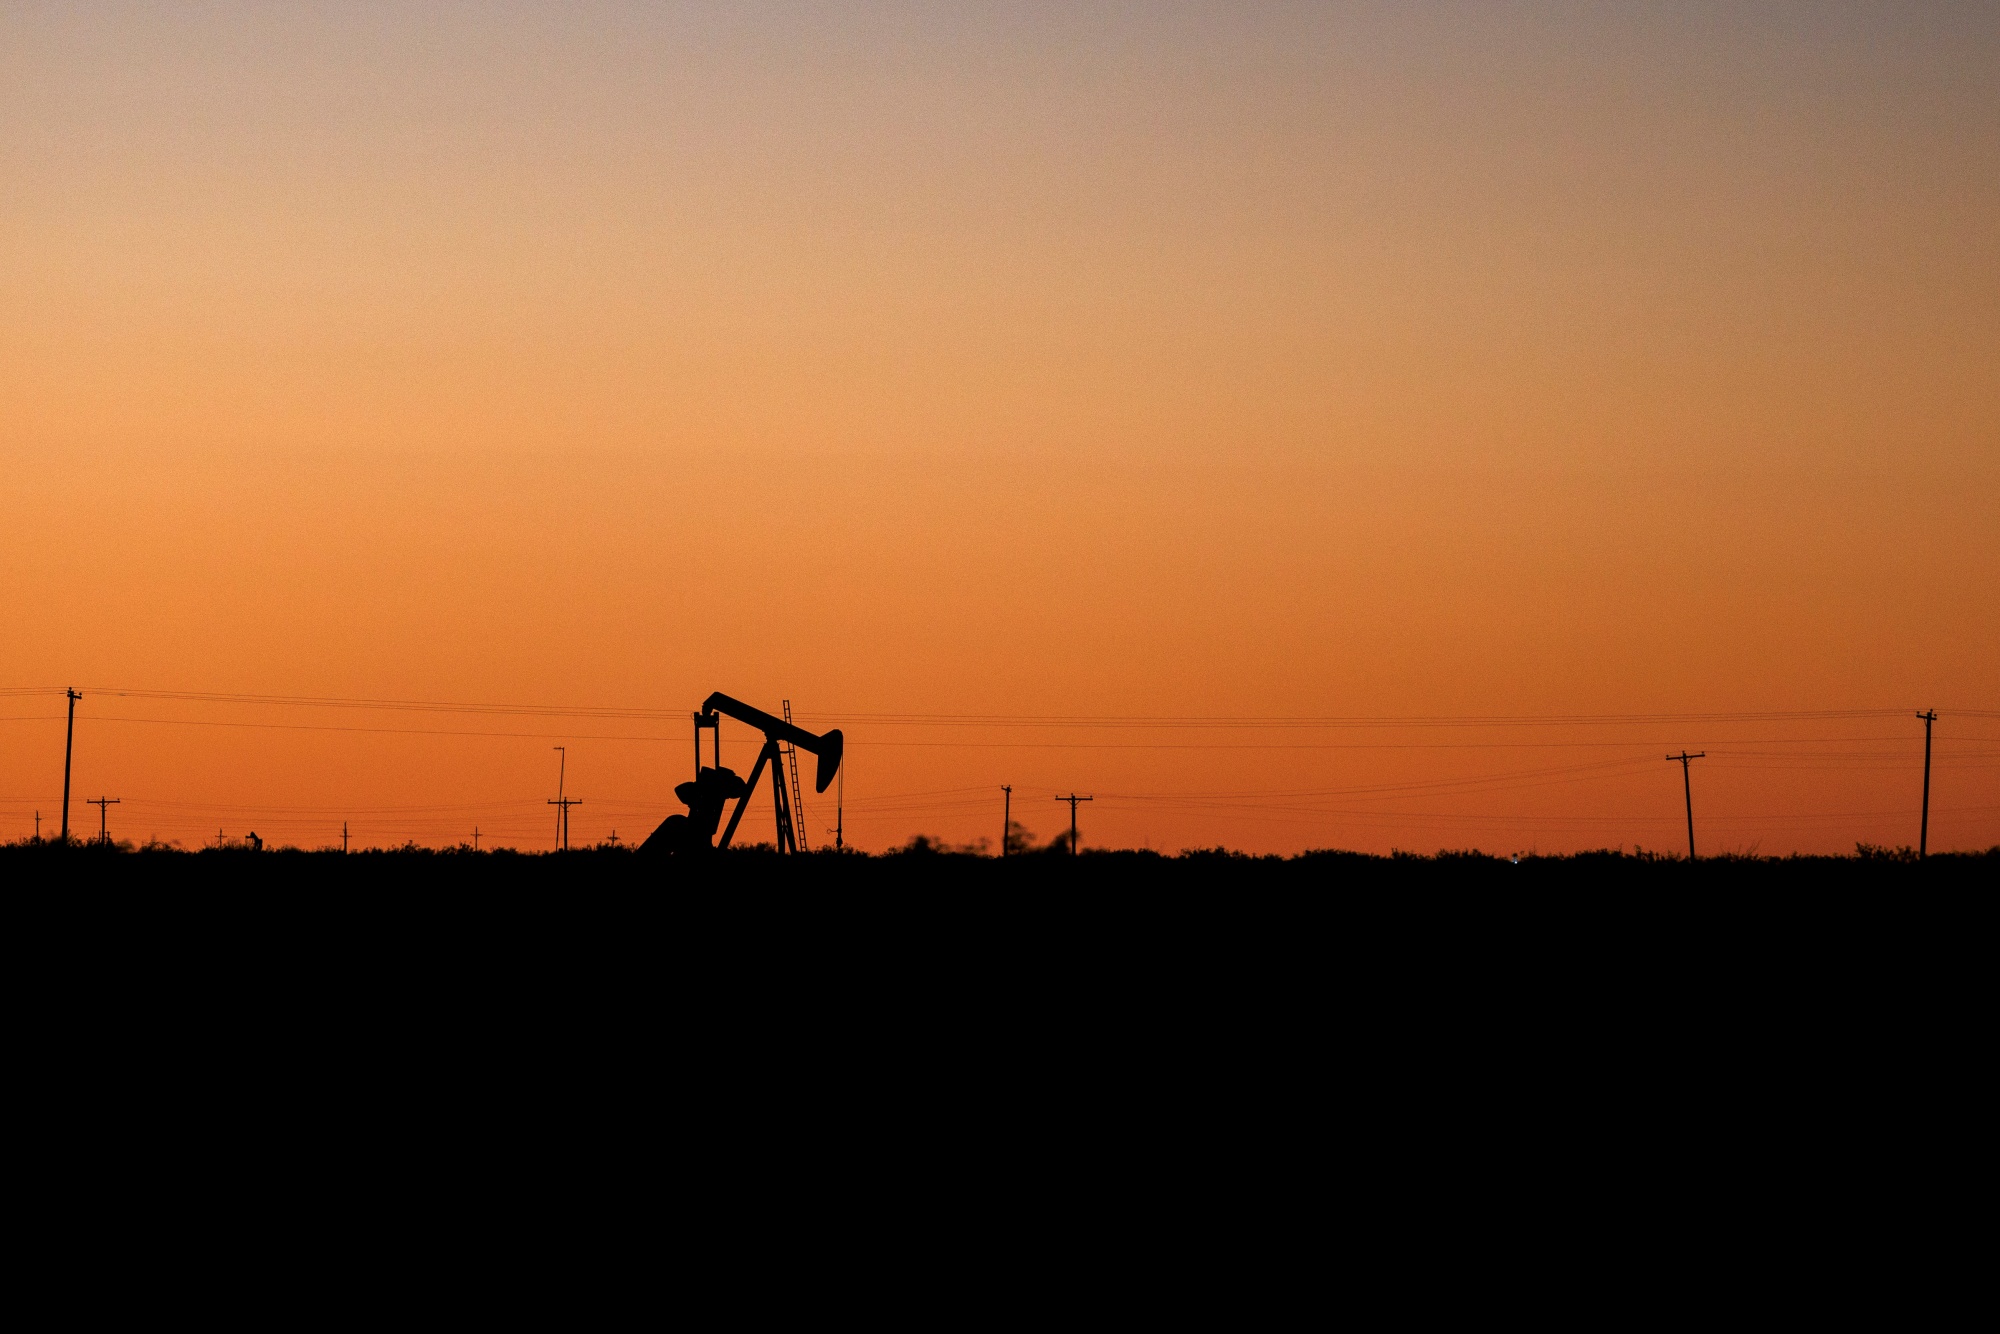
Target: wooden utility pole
(103, 829)
(1687, 791)
(1006, 816)
(69, 749)
(1072, 799)
(1924, 829)
(343, 838)
(562, 818)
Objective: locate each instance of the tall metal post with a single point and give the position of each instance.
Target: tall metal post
(562, 769)
(1006, 816)
(69, 748)
(1687, 790)
(1924, 829)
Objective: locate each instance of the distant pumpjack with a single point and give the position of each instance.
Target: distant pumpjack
(715, 786)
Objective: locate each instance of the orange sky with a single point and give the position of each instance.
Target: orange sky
(1158, 361)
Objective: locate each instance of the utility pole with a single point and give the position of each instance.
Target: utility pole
(1924, 830)
(563, 803)
(343, 838)
(69, 749)
(38, 826)
(1072, 799)
(1006, 816)
(103, 830)
(1688, 791)
(475, 838)
(562, 817)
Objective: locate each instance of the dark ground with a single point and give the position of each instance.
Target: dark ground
(933, 868)
(816, 972)
(592, 909)
(742, 1043)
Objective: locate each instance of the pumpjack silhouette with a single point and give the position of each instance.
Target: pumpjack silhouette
(714, 787)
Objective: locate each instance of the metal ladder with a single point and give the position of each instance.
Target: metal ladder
(798, 821)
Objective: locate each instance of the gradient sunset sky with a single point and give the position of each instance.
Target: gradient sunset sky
(1300, 426)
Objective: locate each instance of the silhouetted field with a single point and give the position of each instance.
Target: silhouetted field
(1416, 984)
(928, 868)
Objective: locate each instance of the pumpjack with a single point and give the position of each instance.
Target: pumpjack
(714, 786)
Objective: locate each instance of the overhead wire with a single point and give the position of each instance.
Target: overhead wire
(1959, 751)
(994, 719)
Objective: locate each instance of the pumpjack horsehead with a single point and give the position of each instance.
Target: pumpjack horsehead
(715, 786)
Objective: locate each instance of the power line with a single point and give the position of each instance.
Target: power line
(1880, 752)
(981, 745)
(1002, 719)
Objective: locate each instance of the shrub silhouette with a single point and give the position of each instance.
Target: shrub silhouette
(1869, 852)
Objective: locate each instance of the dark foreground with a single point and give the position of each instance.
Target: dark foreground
(1181, 1025)
(623, 914)
(424, 871)
(748, 959)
